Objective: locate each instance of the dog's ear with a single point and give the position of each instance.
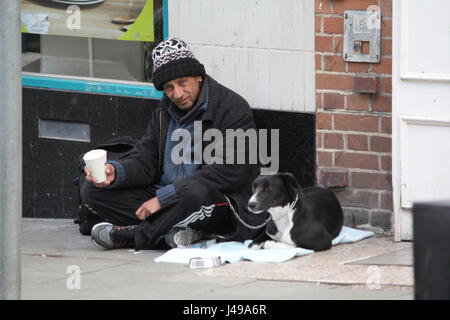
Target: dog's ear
(291, 183)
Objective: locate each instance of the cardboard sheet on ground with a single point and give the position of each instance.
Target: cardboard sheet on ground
(238, 251)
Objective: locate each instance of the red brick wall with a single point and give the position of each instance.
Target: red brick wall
(354, 129)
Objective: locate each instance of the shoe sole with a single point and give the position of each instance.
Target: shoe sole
(170, 239)
(97, 229)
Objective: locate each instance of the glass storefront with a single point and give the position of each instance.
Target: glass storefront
(103, 40)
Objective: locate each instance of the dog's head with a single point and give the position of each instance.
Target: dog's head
(270, 191)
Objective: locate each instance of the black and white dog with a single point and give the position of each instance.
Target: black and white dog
(308, 218)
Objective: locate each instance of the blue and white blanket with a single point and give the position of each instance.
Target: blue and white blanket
(238, 251)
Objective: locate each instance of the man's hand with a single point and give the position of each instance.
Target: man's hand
(147, 208)
(110, 176)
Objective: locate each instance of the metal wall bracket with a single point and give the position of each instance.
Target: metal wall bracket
(362, 36)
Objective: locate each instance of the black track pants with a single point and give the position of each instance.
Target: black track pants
(200, 208)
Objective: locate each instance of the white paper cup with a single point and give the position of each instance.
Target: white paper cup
(96, 162)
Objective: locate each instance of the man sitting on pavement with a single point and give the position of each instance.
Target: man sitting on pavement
(149, 198)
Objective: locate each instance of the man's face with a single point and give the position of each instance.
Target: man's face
(183, 92)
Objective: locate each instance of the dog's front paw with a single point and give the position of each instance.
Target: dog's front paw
(255, 246)
(270, 244)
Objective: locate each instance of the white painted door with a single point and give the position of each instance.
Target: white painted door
(421, 107)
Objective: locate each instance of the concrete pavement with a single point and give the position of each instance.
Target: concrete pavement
(60, 263)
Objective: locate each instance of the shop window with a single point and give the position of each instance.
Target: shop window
(95, 39)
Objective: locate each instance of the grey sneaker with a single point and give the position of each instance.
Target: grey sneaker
(107, 236)
(180, 238)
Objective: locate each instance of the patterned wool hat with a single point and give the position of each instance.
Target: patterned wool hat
(173, 59)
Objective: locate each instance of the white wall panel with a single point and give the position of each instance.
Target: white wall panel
(263, 49)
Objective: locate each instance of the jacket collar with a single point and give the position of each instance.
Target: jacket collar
(213, 99)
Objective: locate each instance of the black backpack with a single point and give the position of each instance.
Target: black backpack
(117, 148)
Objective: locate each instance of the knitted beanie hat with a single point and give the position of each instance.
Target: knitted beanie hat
(173, 59)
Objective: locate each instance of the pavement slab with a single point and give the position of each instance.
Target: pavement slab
(402, 257)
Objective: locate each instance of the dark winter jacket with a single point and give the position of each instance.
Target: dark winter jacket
(179, 119)
(226, 110)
